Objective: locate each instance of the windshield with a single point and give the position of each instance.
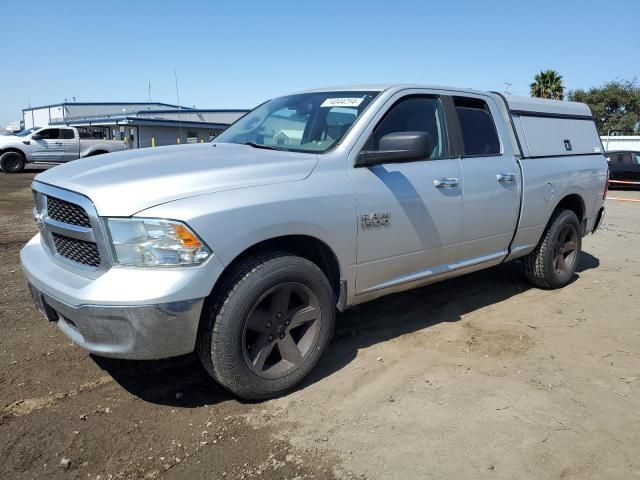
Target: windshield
(308, 122)
(26, 132)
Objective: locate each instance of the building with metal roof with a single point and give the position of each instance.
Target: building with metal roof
(140, 124)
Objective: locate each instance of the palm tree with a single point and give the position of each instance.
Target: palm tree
(548, 84)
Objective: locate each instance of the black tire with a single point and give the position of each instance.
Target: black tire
(12, 162)
(561, 238)
(228, 346)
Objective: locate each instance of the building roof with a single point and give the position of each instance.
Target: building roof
(134, 113)
(141, 104)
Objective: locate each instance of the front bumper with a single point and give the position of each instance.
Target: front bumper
(129, 313)
(143, 332)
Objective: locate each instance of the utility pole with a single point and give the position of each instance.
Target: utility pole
(175, 73)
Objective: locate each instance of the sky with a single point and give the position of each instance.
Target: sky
(237, 54)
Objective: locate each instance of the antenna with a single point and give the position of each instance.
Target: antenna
(149, 91)
(507, 86)
(175, 74)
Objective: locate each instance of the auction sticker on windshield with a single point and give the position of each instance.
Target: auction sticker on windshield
(342, 102)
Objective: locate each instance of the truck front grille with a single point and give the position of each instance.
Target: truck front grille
(78, 251)
(67, 212)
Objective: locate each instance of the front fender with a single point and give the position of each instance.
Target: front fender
(16, 147)
(232, 221)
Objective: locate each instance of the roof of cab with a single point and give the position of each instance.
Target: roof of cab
(515, 103)
(379, 87)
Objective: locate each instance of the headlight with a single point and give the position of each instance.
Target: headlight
(151, 242)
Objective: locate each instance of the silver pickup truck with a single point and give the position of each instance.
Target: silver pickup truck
(243, 248)
(50, 145)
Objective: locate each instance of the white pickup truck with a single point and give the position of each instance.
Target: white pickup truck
(50, 145)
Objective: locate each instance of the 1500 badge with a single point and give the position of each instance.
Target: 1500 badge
(374, 220)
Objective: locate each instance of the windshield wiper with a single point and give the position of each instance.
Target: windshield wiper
(266, 147)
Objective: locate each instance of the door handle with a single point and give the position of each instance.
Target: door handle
(58, 143)
(506, 177)
(446, 182)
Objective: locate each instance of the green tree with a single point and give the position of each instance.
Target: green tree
(615, 105)
(547, 84)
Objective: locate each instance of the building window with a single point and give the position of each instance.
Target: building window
(192, 137)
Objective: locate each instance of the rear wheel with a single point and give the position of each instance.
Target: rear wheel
(553, 263)
(12, 162)
(267, 325)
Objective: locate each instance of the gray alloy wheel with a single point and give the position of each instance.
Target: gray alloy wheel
(565, 253)
(281, 330)
(12, 162)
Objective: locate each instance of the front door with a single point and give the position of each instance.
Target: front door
(47, 147)
(409, 213)
(491, 183)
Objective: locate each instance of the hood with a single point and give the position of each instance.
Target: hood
(123, 183)
(4, 139)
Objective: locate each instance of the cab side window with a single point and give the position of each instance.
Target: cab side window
(479, 133)
(50, 134)
(67, 134)
(414, 114)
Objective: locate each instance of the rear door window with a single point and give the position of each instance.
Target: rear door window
(479, 134)
(625, 158)
(67, 134)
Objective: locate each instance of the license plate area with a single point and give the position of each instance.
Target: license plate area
(45, 309)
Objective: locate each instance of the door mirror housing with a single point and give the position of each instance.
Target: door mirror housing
(398, 147)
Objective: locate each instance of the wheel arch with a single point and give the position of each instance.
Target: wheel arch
(575, 203)
(305, 246)
(13, 149)
(98, 151)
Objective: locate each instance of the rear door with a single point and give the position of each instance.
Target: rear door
(48, 147)
(491, 192)
(409, 214)
(70, 144)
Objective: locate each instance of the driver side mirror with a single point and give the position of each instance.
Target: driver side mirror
(36, 136)
(398, 147)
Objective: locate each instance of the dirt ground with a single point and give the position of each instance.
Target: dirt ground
(477, 377)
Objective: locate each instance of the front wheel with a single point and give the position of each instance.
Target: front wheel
(553, 263)
(267, 325)
(12, 162)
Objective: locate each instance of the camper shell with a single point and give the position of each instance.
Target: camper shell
(547, 128)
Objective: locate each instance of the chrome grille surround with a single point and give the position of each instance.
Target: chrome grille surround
(71, 247)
